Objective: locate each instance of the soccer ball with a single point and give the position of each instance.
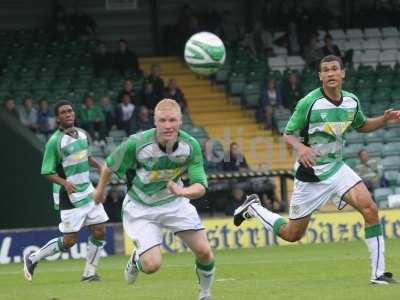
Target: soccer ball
(204, 53)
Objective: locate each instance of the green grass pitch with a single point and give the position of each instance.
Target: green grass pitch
(324, 271)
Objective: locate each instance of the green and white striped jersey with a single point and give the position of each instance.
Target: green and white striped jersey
(67, 156)
(322, 124)
(154, 167)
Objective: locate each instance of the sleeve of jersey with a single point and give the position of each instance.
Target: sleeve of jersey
(123, 157)
(51, 158)
(196, 171)
(298, 120)
(359, 118)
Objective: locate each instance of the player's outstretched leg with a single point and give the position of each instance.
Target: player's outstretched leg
(252, 208)
(132, 269)
(31, 260)
(93, 254)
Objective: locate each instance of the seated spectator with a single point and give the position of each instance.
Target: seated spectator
(142, 121)
(234, 160)
(312, 53)
(92, 119)
(113, 203)
(10, 108)
(148, 97)
(292, 91)
(45, 118)
(108, 111)
(125, 59)
(174, 92)
(28, 114)
(156, 80)
(330, 48)
(103, 60)
(236, 199)
(369, 170)
(212, 159)
(124, 114)
(271, 99)
(127, 88)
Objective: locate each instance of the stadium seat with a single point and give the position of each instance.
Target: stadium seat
(392, 177)
(252, 101)
(381, 194)
(371, 44)
(389, 44)
(354, 33)
(337, 34)
(354, 137)
(354, 44)
(391, 149)
(370, 58)
(117, 135)
(295, 62)
(374, 149)
(351, 151)
(388, 32)
(372, 33)
(391, 162)
(277, 63)
(392, 136)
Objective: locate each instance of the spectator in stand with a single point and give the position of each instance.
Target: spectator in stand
(10, 108)
(236, 199)
(113, 203)
(369, 170)
(174, 92)
(212, 159)
(125, 113)
(103, 60)
(142, 121)
(148, 97)
(127, 88)
(330, 48)
(234, 160)
(108, 111)
(292, 91)
(125, 59)
(28, 114)
(92, 119)
(271, 99)
(82, 23)
(157, 81)
(45, 118)
(312, 52)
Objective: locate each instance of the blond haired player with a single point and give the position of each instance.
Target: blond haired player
(157, 198)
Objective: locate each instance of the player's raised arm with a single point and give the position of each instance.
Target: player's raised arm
(372, 124)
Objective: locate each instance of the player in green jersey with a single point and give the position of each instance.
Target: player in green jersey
(66, 164)
(157, 197)
(322, 118)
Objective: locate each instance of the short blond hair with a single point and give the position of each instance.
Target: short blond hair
(168, 104)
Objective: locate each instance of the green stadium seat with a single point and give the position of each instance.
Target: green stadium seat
(391, 162)
(392, 135)
(117, 136)
(374, 136)
(252, 101)
(374, 149)
(351, 151)
(392, 177)
(391, 149)
(381, 194)
(354, 137)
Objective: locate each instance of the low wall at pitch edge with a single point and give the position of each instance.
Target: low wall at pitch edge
(323, 228)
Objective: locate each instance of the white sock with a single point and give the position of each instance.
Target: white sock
(93, 253)
(266, 217)
(206, 274)
(53, 246)
(376, 247)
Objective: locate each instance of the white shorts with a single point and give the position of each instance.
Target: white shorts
(144, 224)
(72, 220)
(310, 196)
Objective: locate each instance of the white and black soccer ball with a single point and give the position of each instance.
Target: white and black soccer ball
(205, 53)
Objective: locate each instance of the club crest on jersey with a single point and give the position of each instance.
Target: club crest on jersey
(324, 115)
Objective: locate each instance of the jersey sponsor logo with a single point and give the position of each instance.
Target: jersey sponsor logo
(162, 175)
(80, 155)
